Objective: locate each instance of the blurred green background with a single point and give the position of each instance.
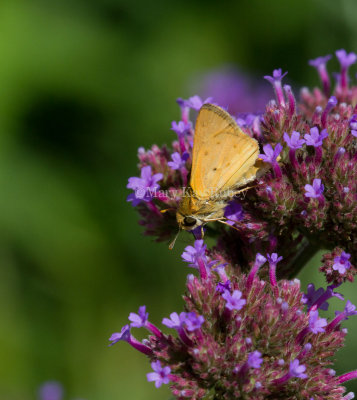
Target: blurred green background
(83, 84)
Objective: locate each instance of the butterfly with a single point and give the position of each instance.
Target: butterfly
(224, 159)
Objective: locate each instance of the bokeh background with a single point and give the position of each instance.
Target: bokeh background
(83, 84)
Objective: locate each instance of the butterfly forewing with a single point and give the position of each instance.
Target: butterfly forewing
(222, 153)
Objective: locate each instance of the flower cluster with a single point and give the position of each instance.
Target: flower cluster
(306, 201)
(231, 340)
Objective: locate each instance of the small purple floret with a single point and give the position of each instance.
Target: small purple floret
(341, 263)
(345, 59)
(124, 335)
(178, 161)
(180, 128)
(294, 142)
(277, 76)
(350, 309)
(192, 321)
(143, 187)
(139, 320)
(270, 155)
(319, 61)
(161, 374)
(234, 301)
(315, 138)
(255, 359)
(316, 324)
(173, 322)
(193, 254)
(296, 370)
(315, 190)
(233, 212)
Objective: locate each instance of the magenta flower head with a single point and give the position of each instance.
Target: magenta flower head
(346, 60)
(161, 375)
(223, 344)
(144, 187)
(315, 190)
(341, 263)
(51, 391)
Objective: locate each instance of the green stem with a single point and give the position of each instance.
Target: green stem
(306, 251)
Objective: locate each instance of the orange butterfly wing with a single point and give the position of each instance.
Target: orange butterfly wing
(223, 155)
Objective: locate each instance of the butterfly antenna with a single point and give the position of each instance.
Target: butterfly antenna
(172, 244)
(231, 226)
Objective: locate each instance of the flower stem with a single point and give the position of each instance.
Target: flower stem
(307, 250)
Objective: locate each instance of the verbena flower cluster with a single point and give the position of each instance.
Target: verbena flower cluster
(244, 337)
(247, 330)
(307, 200)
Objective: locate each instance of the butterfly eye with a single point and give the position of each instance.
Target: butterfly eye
(189, 221)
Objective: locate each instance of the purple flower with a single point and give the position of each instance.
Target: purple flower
(259, 260)
(222, 287)
(314, 191)
(315, 138)
(277, 76)
(161, 374)
(174, 322)
(195, 102)
(254, 359)
(320, 61)
(316, 324)
(353, 125)
(144, 187)
(273, 258)
(191, 321)
(294, 142)
(346, 59)
(178, 161)
(341, 263)
(124, 335)
(234, 301)
(193, 254)
(313, 295)
(271, 155)
(350, 309)
(296, 370)
(180, 128)
(139, 320)
(233, 212)
(51, 391)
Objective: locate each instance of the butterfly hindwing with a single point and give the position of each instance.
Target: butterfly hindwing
(222, 153)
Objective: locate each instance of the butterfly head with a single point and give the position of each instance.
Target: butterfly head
(188, 222)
